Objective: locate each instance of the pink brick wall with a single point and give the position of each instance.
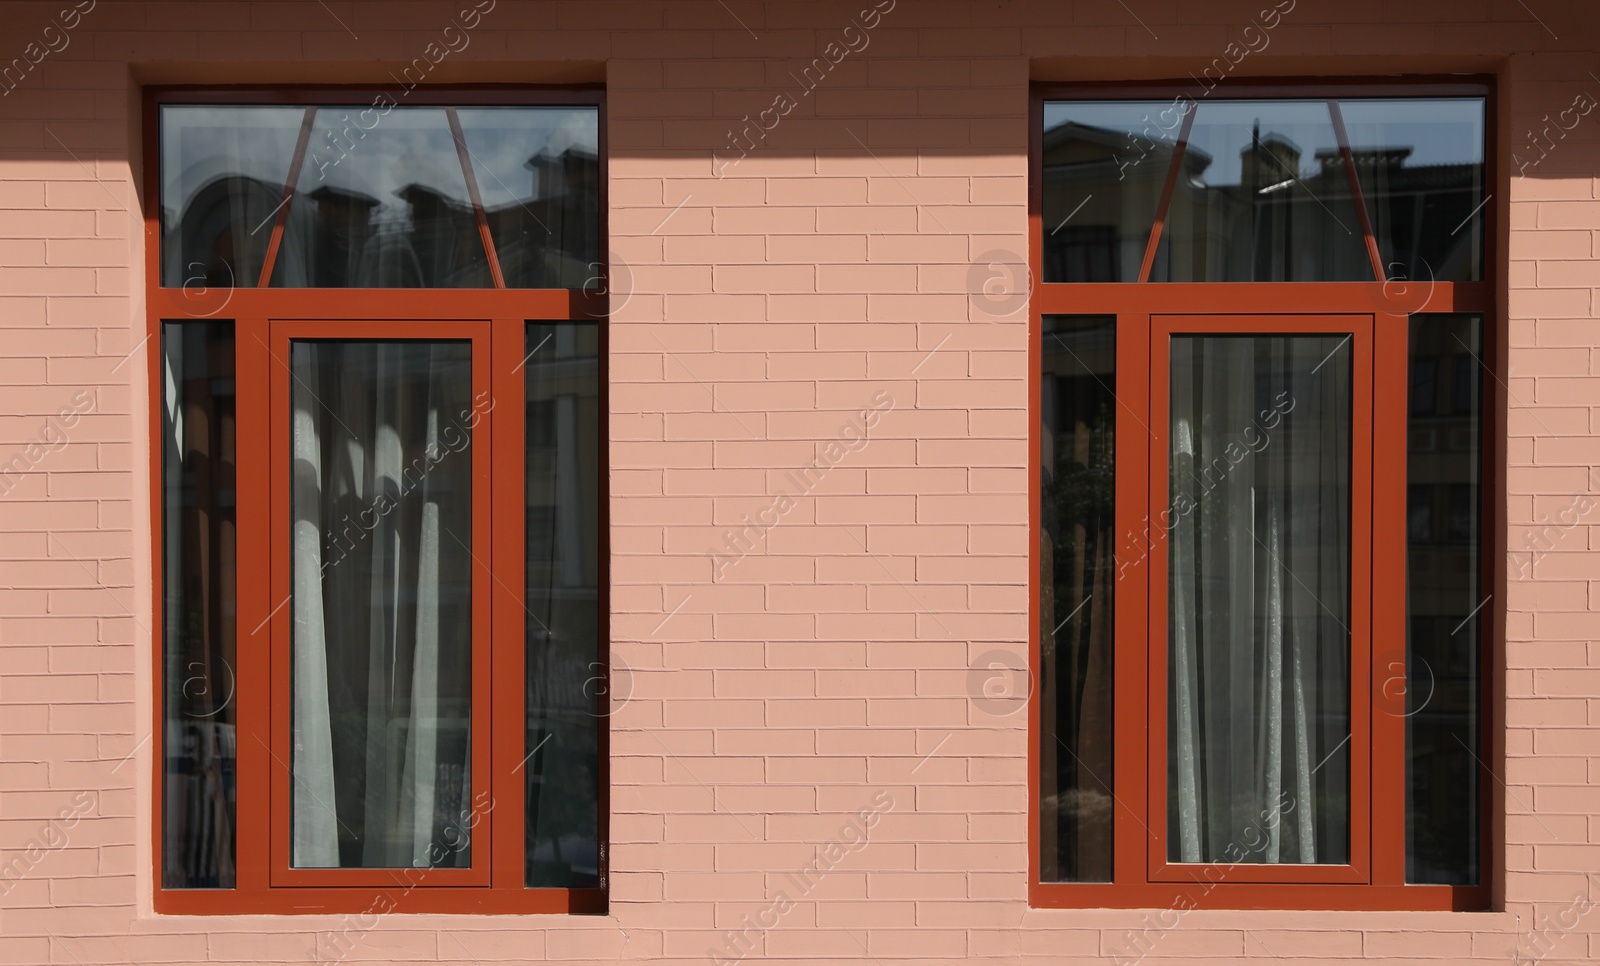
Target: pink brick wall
(831, 265)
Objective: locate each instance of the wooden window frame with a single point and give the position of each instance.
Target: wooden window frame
(1145, 312)
(495, 320)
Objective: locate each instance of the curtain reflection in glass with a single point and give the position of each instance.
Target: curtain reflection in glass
(1104, 164)
(380, 502)
(567, 692)
(222, 174)
(199, 710)
(1264, 197)
(1077, 580)
(1259, 599)
(1444, 600)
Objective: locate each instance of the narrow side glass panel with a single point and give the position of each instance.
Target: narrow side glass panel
(1077, 581)
(380, 501)
(222, 174)
(1420, 164)
(538, 172)
(1445, 611)
(1263, 197)
(1259, 599)
(568, 685)
(1104, 164)
(198, 619)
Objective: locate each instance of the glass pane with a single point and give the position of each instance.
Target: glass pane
(538, 173)
(222, 171)
(567, 689)
(1264, 197)
(1077, 552)
(199, 545)
(381, 507)
(1259, 599)
(381, 202)
(1104, 166)
(1444, 601)
(1420, 163)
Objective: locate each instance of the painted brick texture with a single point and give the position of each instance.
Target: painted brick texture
(838, 266)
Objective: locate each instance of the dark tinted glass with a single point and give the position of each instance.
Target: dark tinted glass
(1264, 196)
(198, 540)
(1077, 580)
(1445, 600)
(568, 687)
(1420, 164)
(1104, 166)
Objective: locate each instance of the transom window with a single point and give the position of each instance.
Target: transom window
(1261, 354)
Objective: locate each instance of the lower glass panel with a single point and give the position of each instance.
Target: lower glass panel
(1444, 600)
(1077, 582)
(1259, 599)
(381, 504)
(568, 686)
(199, 542)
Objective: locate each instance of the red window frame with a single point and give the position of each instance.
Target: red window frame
(265, 319)
(1146, 314)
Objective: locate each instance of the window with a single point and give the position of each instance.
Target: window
(1261, 356)
(380, 500)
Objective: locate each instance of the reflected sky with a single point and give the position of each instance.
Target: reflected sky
(1139, 118)
(502, 139)
(1439, 130)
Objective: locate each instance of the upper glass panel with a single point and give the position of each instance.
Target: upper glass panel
(385, 208)
(1104, 165)
(1264, 192)
(384, 196)
(222, 174)
(1420, 163)
(538, 172)
(1264, 196)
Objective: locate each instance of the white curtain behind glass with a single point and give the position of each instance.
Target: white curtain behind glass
(380, 503)
(1259, 599)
